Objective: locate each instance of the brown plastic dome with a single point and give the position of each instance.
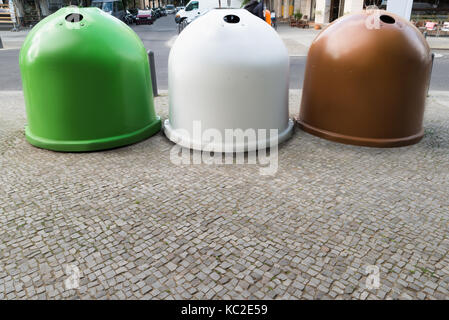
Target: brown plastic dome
(366, 81)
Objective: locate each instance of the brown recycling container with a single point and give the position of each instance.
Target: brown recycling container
(366, 81)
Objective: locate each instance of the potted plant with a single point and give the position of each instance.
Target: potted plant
(298, 15)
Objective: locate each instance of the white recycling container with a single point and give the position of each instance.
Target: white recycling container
(228, 70)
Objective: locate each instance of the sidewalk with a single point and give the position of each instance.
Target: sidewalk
(138, 226)
(438, 43)
(13, 40)
(299, 40)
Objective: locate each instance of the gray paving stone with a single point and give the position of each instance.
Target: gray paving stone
(139, 226)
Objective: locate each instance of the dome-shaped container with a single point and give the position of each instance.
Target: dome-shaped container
(228, 70)
(366, 81)
(86, 83)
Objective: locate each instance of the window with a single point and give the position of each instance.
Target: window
(192, 6)
(97, 4)
(120, 6)
(107, 6)
(54, 5)
(430, 10)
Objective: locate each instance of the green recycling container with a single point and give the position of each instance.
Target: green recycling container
(86, 83)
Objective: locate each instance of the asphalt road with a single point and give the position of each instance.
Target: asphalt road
(161, 34)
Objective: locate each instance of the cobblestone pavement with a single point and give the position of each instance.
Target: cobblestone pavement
(138, 226)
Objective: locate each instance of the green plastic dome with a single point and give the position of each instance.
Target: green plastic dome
(86, 83)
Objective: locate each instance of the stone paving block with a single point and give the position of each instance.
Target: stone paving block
(139, 226)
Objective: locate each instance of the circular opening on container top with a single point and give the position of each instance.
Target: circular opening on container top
(231, 18)
(74, 17)
(387, 19)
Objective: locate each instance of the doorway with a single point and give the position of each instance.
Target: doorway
(312, 10)
(336, 10)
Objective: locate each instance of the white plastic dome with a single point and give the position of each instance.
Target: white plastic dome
(228, 70)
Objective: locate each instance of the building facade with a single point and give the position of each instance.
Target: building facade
(318, 11)
(154, 3)
(326, 11)
(29, 12)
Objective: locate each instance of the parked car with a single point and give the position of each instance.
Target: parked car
(195, 8)
(113, 7)
(144, 17)
(157, 12)
(163, 12)
(170, 9)
(185, 22)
